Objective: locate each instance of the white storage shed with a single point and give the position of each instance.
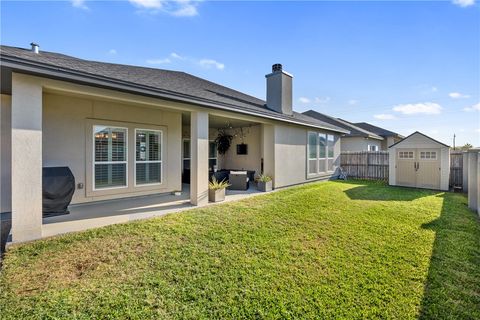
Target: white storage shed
(419, 161)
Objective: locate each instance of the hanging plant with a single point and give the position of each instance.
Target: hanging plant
(223, 141)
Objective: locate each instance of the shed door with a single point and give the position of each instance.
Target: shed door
(428, 168)
(405, 171)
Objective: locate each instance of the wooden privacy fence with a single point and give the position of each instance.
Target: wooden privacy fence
(456, 169)
(365, 164)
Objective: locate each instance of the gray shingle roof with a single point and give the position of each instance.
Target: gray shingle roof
(355, 131)
(172, 83)
(377, 130)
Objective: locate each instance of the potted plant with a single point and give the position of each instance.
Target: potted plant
(264, 183)
(216, 190)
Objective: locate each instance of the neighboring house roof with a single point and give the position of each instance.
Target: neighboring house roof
(422, 134)
(377, 130)
(355, 131)
(165, 84)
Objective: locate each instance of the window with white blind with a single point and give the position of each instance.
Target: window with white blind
(110, 157)
(148, 157)
(320, 153)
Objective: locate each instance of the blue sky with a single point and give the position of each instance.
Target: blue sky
(403, 65)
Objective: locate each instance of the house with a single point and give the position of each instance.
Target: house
(129, 131)
(419, 161)
(362, 137)
(389, 137)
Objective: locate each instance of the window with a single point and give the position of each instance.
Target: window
(320, 152)
(372, 148)
(186, 154)
(212, 154)
(109, 157)
(405, 154)
(148, 157)
(330, 145)
(428, 155)
(312, 153)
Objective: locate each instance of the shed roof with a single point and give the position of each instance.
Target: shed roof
(422, 134)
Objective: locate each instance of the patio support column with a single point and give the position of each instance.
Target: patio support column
(26, 158)
(268, 150)
(199, 158)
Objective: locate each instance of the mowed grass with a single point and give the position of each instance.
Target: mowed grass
(323, 250)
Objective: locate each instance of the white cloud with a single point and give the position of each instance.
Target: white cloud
(352, 102)
(176, 56)
(209, 63)
(384, 116)
(477, 130)
(178, 8)
(148, 4)
(304, 100)
(112, 51)
(321, 99)
(434, 89)
(475, 107)
(458, 95)
(464, 3)
(79, 4)
(418, 108)
(159, 61)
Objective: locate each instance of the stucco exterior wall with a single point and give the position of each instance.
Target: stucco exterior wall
(291, 156)
(250, 161)
(67, 122)
(5, 153)
(355, 144)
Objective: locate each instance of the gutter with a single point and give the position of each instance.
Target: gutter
(105, 82)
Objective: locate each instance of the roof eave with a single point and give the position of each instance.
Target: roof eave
(76, 76)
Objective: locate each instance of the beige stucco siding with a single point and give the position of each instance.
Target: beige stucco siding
(5, 153)
(67, 122)
(291, 156)
(250, 161)
(359, 144)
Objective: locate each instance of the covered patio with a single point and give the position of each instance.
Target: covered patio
(98, 214)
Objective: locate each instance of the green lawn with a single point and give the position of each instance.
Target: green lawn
(324, 250)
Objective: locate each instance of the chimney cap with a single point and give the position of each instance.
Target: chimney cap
(35, 47)
(277, 67)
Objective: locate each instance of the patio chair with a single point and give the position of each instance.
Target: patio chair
(238, 180)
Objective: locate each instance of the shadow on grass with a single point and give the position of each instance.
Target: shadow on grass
(380, 191)
(452, 289)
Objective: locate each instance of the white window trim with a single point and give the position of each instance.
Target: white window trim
(428, 159)
(309, 174)
(326, 158)
(406, 152)
(148, 161)
(328, 149)
(374, 146)
(94, 188)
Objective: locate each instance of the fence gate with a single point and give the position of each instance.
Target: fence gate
(456, 170)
